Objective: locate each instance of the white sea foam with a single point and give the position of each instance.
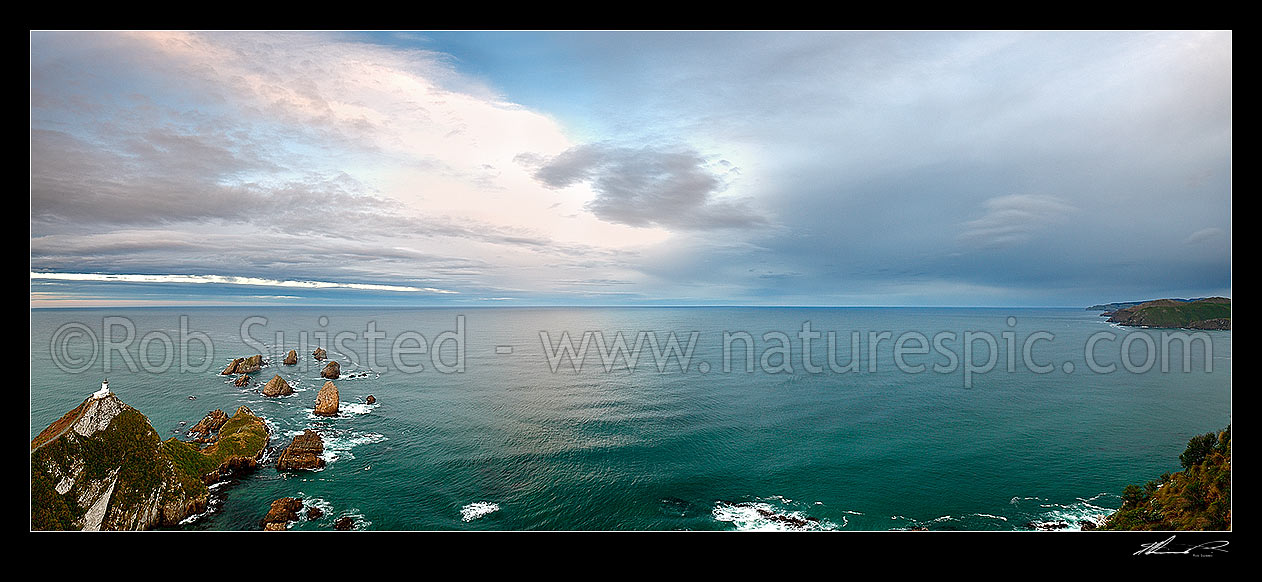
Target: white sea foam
(308, 502)
(764, 516)
(1070, 516)
(478, 509)
(338, 445)
(360, 522)
(355, 407)
(193, 518)
(344, 410)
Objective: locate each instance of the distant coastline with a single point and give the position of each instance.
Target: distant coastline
(1206, 313)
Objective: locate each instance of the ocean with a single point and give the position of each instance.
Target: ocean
(754, 418)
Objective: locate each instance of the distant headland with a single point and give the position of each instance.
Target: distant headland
(1205, 313)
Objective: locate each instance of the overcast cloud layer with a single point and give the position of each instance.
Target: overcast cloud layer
(941, 168)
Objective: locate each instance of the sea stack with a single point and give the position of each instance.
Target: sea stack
(332, 370)
(303, 453)
(319, 354)
(282, 511)
(327, 400)
(244, 365)
(291, 358)
(277, 386)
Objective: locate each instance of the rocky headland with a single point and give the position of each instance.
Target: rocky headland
(102, 466)
(1210, 313)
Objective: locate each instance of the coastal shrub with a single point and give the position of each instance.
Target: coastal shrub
(1196, 498)
(1199, 447)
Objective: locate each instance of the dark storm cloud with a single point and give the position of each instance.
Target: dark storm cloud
(672, 188)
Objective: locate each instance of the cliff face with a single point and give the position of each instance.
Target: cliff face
(102, 466)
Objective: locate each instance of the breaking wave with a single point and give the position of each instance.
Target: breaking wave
(773, 513)
(478, 509)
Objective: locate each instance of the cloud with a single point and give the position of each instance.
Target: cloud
(225, 280)
(1204, 235)
(1015, 218)
(810, 168)
(313, 157)
(671, 188)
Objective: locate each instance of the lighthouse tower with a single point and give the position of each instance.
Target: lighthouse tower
(104, 391)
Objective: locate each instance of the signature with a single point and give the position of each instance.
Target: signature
(1203, 549)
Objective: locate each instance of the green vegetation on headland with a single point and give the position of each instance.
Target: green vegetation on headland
(103, 466)
(1196, 498)
(1209, 313)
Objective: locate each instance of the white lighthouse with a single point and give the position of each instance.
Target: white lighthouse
(104, 391)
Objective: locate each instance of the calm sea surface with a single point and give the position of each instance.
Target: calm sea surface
(489, 436)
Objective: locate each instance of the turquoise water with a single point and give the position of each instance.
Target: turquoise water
(506, 443)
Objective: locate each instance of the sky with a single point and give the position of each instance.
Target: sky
(934, 168)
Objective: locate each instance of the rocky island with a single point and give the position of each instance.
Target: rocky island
(303, 453)
(244, 365)
(277, 386)
(327, 400)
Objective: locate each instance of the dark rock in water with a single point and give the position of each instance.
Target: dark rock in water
(1047, 525)
(183, 422)
(202, 431)
(344, 524)
(291, 358)
(244, 365)
(332, 371)
(675, 506)
(314, 513)
(319, 354)
(277, 386)
(192, 398)
(790, 520)
(1086, 525)
(242, 380)
(371, 399)
(302, 453)
(282, 511)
